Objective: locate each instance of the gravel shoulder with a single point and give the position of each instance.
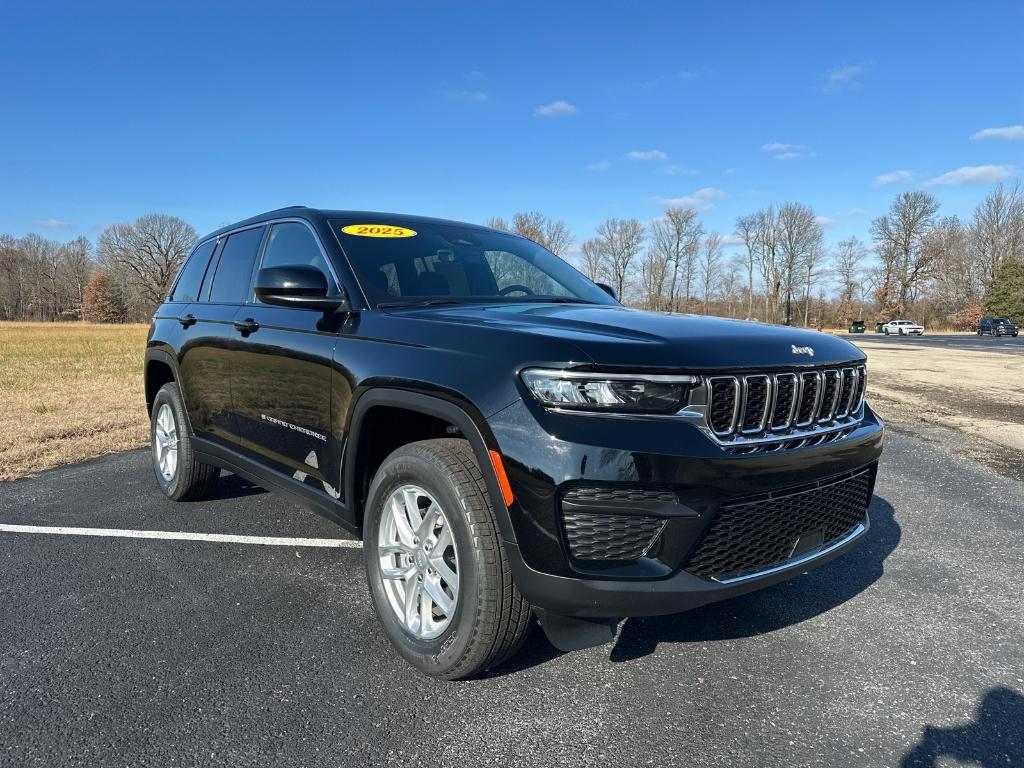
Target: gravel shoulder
(970, 403)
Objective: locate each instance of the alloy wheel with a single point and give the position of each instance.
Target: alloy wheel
(418, 562)
(165, 443)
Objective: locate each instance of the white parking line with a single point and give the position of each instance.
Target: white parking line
(226, 538)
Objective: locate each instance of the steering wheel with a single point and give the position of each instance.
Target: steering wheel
(512, 288)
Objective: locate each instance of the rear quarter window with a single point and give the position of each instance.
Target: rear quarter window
(190, 280)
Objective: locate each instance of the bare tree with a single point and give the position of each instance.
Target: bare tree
(710, 265)
(846, 261)
(549, 233)
(593, 262)
(675, 239)
(145, 256)
(653, 268)
(957, 282)
(799, 239)
(898, 237)
(76, 268)
(621, 242)
(997, 232)
(747, 231)
(767, 234)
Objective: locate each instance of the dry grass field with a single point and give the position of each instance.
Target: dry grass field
(69, 391)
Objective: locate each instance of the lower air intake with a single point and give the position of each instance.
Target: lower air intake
(757, 535)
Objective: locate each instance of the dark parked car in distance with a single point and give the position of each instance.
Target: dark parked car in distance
(857, 326)
(997, 326)
(507, 439)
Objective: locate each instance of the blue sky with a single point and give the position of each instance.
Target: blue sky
(214, 112)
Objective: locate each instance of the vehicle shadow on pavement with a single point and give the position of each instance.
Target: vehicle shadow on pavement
(774, 608)
(994, 738)
(234, 487)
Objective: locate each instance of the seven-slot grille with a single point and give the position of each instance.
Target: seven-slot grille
(782, 405)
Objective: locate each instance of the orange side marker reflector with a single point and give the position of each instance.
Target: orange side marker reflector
(499, 470)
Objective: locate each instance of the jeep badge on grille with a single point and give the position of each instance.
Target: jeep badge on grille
(809, 351)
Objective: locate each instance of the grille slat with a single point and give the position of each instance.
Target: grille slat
(791, 407)
(754, 536)
(810, 394)
(785, 393)
(755, 403)
(724, 404)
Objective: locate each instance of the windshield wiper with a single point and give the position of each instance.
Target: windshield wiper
(556, 300)
(424, 303)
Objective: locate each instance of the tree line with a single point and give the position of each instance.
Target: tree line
(941, 271)
(122, 278)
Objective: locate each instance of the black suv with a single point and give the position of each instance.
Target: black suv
(997, 326)
(504, 436)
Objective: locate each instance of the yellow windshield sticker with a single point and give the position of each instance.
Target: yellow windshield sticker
(378, 230)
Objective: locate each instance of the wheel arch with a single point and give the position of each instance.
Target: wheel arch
(161, 368)
(466, 419)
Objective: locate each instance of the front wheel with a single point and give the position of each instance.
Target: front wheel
(438, 574)
(181, 475)
(885, 331)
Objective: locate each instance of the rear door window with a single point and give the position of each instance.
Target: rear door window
(234, 270)
(190, 281)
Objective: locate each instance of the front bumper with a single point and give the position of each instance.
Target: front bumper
(546, 455)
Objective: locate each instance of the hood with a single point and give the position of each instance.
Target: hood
(619, 337)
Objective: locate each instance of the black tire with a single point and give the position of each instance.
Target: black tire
(191, 480)
(491, 617)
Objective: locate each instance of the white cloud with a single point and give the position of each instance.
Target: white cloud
(1006, 132)
(972, 174)
(729, 171)
(892, 177)
(50, 223)
(782, 151)
(732, 239)
(476, 97)
(648, 154)
(701, 200)
(825, 221)
(475, 74)
(599, 166)
(841, 78)
(559, 108)
(688, 74)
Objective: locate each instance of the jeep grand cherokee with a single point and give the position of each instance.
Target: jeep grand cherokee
(507, 439)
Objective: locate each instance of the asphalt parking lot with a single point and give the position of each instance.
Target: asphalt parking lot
(1007, 345)
(182, 652)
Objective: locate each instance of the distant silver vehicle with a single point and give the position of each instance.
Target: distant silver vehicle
(903, 328)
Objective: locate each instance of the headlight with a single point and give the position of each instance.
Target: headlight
(608, 392)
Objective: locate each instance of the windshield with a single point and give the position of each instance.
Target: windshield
(427, 262)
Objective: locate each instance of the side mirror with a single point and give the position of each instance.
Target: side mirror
(296, 285)
(607, 289)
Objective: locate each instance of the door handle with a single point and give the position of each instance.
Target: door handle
(187, 320)
(249, 325)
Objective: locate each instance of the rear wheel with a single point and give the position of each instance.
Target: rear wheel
(437, 571)
(181, 475)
